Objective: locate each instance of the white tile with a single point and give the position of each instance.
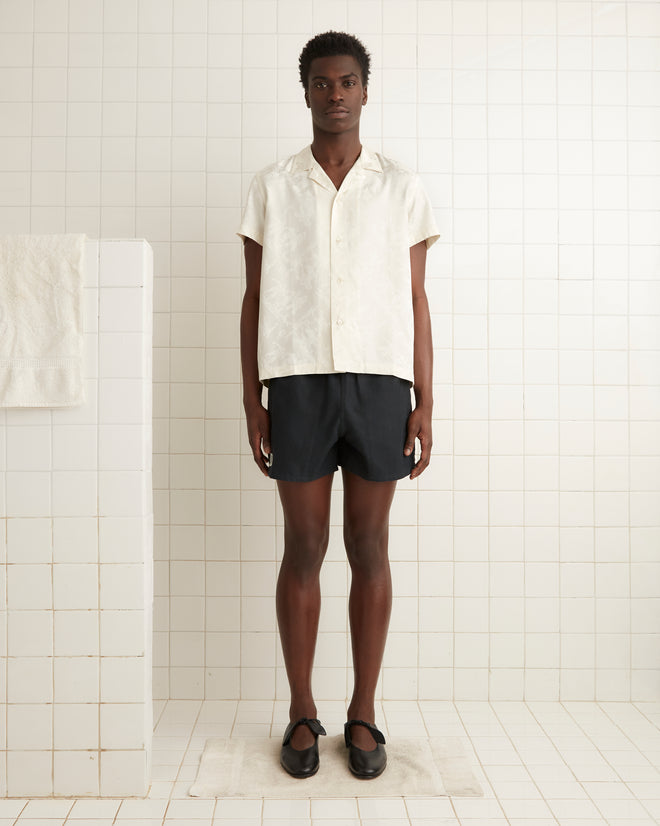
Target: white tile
(138, 809)
(122, 680)
(334, 809)
(30, 633)
(121, 539)
(122, 586)
(191, 809)
(123, 773)
(121, 493)
(76, 726)
(74, 493)
(28, 494)
(76, 679)
(75, 586)
(29, 540)
(286, 809)
(429, 808)
(122, 633)
(29, 680)
(75, 448)
(120, 354)
(123, 726)
(29, 726)
(377, 807)
(76, 633)
(28, 448)
(29, 586)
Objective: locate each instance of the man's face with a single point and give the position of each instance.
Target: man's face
(335, 93)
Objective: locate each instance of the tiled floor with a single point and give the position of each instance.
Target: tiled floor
(540, 764)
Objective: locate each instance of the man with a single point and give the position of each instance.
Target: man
(335, 322)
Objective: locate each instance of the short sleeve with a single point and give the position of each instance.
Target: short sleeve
(252, 223)
(421, 221)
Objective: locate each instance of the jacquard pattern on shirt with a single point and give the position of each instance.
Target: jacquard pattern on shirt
(335, 290)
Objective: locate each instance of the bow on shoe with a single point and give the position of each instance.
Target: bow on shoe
(378, 736)
(311, 723)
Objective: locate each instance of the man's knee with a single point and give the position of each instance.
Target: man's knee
(304, 549)
(366, 549)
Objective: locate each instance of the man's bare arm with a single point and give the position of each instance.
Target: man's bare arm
(419, 422)
(258, 421)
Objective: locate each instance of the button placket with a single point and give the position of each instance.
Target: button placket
(337, 282)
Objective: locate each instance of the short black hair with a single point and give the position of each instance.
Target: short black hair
(331, 44)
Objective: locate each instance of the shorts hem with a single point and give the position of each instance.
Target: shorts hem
(283, 476)
(390, 477)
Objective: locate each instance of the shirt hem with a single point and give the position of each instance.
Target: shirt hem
(305, 369)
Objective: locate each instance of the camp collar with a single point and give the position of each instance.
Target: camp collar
(305, 161)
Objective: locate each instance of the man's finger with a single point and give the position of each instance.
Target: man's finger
(409, 446)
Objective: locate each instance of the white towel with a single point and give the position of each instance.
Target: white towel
(41, 320)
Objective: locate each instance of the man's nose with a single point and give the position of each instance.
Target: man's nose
(336, 92)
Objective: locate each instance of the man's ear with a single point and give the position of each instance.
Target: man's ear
(307, 98)
(364, 96)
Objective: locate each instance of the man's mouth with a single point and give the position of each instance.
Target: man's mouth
(337, 113)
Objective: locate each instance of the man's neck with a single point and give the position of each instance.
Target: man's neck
(333, 151)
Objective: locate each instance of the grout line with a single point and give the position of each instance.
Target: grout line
(475, 753)
(595, 745)
(522, 761)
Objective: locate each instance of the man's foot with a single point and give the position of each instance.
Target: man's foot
(365, 764)
(301, 762)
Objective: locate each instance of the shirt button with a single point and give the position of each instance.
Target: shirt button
(339, 240)
(340, 281)
(339, 322)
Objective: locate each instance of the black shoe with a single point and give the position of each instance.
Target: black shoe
(304, 762)
(365, 764)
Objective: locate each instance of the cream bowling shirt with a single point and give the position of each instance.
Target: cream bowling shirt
(336, 293)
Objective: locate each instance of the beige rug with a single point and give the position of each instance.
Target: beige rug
(250, 767)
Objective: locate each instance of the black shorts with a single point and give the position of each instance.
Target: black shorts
(356, 420)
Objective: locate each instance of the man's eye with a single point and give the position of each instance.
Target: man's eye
(350, 83)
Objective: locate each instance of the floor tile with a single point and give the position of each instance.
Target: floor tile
(540, 763)
(191, 809)
(239, 809)
(12, 808)
(283, 809)
(91, 809)
(383, 807)
(334, 809)
(426, 808)
(47, 808)
(340, 821)
(132, 809)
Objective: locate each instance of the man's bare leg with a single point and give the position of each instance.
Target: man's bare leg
(306, 507)
(366, 524)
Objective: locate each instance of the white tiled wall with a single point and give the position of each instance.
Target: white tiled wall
(76, 542)
(525, 560)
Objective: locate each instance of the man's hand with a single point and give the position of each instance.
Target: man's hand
(419, 427)
(258, 425)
